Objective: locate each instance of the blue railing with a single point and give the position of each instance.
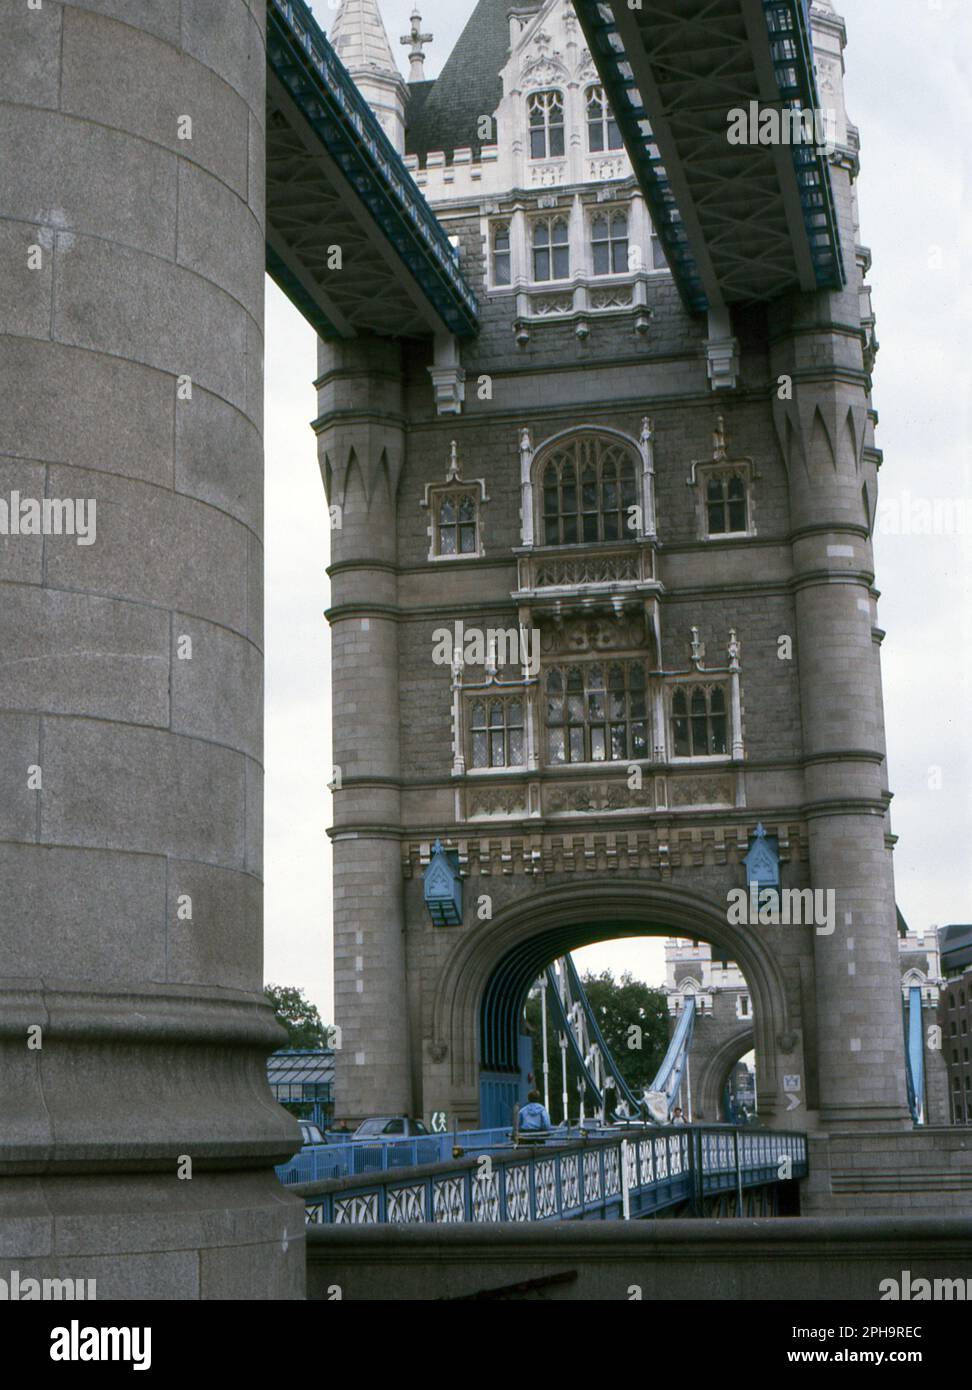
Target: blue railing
(319, 1162)
(302, 58)
(636, 1174)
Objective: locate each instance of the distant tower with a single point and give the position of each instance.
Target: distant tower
(361, 42)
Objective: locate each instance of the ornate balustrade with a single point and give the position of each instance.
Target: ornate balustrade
(637, 1173)
(586, 572)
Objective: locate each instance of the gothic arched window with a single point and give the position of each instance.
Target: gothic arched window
(589, 485)
(456, 523)
(551, 248)
(699, 721)
(602, 129)
(546, 116)
(609, 243)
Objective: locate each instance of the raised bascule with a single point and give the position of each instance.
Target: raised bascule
(589, 374)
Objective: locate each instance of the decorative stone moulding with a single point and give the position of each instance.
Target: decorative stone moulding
(661, 848)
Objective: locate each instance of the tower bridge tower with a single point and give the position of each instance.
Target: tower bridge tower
(603, 604)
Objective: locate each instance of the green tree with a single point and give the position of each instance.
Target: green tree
(633, 1019)
(304, 1025)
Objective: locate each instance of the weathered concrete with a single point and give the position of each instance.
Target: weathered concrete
(923, 1170)
(146, 278)
(779, 1259)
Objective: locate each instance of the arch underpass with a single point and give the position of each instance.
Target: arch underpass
(484, 983)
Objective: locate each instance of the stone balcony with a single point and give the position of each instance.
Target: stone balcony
(564, 580)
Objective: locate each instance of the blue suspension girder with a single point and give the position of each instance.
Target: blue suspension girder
(565, 1029)
(668, 1078)
(915, 1054)
(334, 179)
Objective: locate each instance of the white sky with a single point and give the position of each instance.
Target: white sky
(909, 94)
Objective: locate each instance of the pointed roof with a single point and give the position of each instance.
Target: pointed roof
(359, 38)
(445, 114)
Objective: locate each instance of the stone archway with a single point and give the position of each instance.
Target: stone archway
(542, 925)
(711, 1079)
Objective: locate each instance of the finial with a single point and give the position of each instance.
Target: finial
(698, 650)
(416, 54)
(454, 469)
(437, 847)
(759, 833)
(719, 439)
(733, 649)
(491, 659)
(647, 430)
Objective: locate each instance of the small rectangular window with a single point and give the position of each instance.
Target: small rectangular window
(502, 254)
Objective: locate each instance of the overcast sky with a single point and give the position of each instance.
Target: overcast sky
(909, 89)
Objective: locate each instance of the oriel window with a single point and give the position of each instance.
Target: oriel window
(596, 713)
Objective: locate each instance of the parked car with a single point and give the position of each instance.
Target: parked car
(312, 1134)
(390, 1127)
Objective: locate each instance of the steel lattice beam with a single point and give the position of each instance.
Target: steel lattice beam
(335, 180)
(738, 222)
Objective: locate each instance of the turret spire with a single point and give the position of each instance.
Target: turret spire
(360, 39)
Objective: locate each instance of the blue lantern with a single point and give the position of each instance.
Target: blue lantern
(443, 887)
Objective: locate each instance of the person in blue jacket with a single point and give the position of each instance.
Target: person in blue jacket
(533, 1115)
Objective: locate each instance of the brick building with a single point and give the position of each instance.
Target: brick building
(955, 1019)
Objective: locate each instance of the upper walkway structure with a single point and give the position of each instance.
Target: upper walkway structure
(739, 222)
(350, 238)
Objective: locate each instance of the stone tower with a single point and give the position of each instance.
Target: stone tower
(603, 614)
(138, 1131)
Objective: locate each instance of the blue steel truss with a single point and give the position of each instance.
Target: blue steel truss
(791, 55)
(325, 93)
(669, 1076)
(788, 24)
(668, 1079)
(607, 50)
